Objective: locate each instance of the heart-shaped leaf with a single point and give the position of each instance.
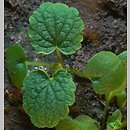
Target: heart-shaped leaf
(106, 71)
(15, 63)
(82, 122)
(45, 99)
(55, 25)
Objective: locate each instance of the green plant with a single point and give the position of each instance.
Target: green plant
(115, 122)
(15, 63)
(82, 122)
(57, 27)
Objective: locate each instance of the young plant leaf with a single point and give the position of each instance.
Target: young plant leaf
(46, 99)
(15, 64)
(106, 72)
(120, 89)
(55, 25)
(82, 122)
(123, 57)
(121, 99)
(114, 121)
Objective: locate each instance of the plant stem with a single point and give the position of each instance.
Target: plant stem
(39, 63)
(79, 73)
(59, 57)
(105, 114)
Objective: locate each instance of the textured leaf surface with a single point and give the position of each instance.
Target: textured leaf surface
(45, 99)
(114, 121)
(15, 63)
(106, 71)
(55, 25)
(82, 122)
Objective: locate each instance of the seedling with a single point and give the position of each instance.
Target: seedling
(114, 121)
(46, 99)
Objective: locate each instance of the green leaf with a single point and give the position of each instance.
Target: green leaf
(123, 57)
(114, 121)
(91, 124)
(46, 99)
(121, 99)
(55, 25)
(82, 122)
(15, 63)
(120, 89)
(106, 72)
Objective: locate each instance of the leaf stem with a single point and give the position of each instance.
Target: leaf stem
(76, 72)
(59, 57)
(39, 63)
(105, 112)
(79, 73)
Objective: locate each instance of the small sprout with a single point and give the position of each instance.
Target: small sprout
(114, 121)
(55, 26)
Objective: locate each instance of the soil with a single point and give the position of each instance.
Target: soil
(105, 29)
